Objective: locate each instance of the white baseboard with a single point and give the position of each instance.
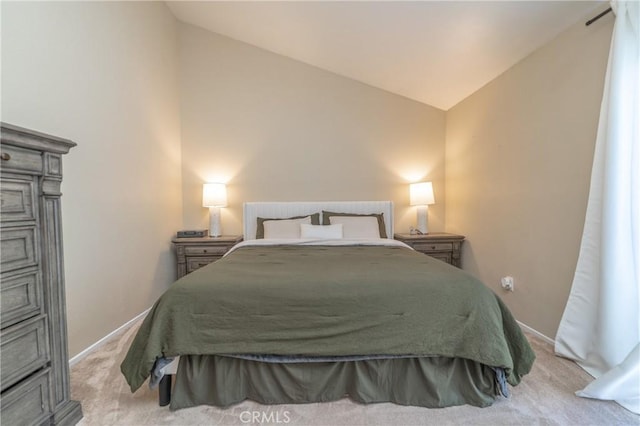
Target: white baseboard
(102, 341)
(549, 340)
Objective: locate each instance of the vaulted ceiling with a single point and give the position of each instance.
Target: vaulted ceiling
(435, 52)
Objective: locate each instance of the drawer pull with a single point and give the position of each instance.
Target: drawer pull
(204, 251)
(433, 247)
(5, 156)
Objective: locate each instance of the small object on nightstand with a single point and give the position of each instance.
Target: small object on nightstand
(415, 231)
(195, 252)
(192, 234)
(441, 245)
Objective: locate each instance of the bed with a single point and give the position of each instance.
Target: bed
(307, 314)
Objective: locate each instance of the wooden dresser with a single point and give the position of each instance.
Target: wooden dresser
(443, 246)
(194, 253)
(33, 339)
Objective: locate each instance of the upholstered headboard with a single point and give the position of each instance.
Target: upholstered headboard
(302, 208)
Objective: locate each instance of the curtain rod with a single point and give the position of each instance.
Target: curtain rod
(595, 18)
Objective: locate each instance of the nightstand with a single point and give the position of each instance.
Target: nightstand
(440, 245)
(194, 253)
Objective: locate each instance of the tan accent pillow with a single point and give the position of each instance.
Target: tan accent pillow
(288, 228)
(380, 216)
(357, 227)
(315, 220)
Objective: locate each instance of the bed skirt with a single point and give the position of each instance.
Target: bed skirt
(428, 382)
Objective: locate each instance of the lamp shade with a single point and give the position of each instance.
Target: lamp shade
(214, 195)
(421, 194)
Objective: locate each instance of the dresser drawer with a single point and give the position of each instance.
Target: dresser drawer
(17, 248)
(20, 159)
(20, 297)
(209, 250)
(194, 263)
(23, 350)
(16, 200)
(28, 402)
(427, 247)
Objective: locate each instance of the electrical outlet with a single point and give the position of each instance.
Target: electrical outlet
(507, 283)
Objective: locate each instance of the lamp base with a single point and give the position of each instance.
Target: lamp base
(215, 230)
(422, 219)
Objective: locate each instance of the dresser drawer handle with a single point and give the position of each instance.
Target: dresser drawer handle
(5, 156)
(433, 247)
(204, 251)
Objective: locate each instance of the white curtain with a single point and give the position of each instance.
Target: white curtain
(600, 328)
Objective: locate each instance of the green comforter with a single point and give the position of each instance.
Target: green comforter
(319, 300)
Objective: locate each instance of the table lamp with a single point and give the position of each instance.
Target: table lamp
(421, 195)
(214, 196)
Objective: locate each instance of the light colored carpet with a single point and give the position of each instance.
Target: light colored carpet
(545, 397)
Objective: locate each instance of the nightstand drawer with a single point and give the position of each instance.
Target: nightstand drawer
(445, 257)
(194, 253)
(23, 350)
(440, 245)
(198, 262)
(209, 250)
(425, 246)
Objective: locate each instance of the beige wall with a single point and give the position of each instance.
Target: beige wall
(276, 129)
(105, 76)
(518, 151)
(518, 161)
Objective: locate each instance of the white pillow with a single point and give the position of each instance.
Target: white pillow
(321, 231)
(287, 228)
(357, 226)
